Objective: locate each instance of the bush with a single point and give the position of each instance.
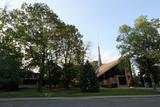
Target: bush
(88, 79)
(56, 75)
(9, 71)
(114, 85)
(9, 80)
(69, 73)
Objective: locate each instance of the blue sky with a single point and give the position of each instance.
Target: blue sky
(98, 20)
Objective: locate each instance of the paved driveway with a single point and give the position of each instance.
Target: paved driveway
(149, 101)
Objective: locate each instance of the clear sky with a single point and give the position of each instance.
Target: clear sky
(98, 20)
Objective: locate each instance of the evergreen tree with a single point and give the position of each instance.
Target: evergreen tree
(88, 79)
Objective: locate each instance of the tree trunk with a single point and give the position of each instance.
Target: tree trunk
(131, 82)
(152, 75)
(66, 83)
(153, 82)
(42, 68)
(40, 81)
(50, 82)
(126, 75)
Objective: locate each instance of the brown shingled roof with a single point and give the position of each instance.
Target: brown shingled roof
(105, 67)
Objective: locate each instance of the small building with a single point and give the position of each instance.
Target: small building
(29, 78)
(109, 75)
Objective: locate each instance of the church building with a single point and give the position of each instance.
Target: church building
(109, 75)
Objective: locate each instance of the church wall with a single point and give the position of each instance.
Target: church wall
(111, 78)
(110, 82)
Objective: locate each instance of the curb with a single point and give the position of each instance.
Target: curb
(75, 98)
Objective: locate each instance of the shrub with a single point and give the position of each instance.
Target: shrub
(88, 79)
(9, 71)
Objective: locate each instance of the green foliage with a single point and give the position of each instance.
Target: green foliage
(9, 69)
(76, 78)
(141, 43)
(69, 73)
(35, 31)
(88, 79)
(10, 55)
(124, 64)
(94, 64)
(56, 74)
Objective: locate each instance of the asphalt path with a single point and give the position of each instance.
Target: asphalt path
(100, 101)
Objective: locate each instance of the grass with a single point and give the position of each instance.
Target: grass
(76, 92)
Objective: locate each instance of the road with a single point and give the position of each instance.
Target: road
(147, 101)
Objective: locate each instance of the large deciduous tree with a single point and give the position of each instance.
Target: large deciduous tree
(10, 55)
(142, 43)
(43, 39)
(34, 25)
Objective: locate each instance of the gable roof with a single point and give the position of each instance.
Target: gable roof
(105, 67)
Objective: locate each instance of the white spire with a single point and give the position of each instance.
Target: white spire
(99, 57)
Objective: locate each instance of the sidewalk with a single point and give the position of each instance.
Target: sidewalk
(158, 88)
(71, 98)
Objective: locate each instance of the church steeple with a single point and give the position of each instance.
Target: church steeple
(99, 57)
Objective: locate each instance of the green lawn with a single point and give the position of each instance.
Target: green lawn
(76, 92)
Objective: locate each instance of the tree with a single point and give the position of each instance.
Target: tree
(70, 44)
(94, 65)
(9, 68)
(125, 65)
(36, 32)
(88, 79)
(35, 29)
(141, 42)
(55, 75)
(69, 72)
(76, 77)
(10, 55)
(35, 25)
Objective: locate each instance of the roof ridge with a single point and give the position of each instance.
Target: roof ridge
(105, 67)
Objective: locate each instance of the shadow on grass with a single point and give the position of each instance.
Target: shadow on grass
(60, 92)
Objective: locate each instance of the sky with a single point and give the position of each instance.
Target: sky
(98, 20)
